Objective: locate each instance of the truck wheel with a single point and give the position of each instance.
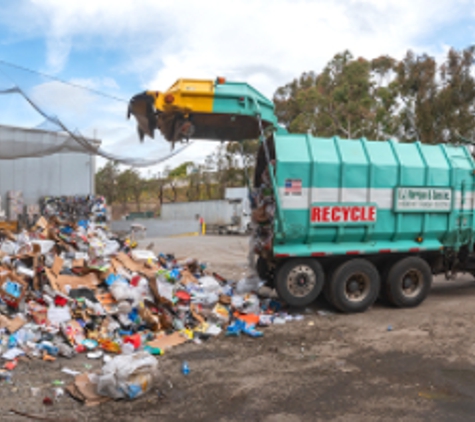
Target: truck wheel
(408, 282)
(354, 286)
(299, 281)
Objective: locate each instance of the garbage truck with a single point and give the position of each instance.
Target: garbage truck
(353, 219)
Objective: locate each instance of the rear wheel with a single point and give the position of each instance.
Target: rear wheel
(408, 282)
(299, 281)
(354, 286)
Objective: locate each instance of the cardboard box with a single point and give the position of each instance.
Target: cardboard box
(12, 288)
(61, 283)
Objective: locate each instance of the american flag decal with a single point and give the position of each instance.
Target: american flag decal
(293, 187)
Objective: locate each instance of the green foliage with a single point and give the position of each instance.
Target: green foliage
(229, 166)
(415, 98)
(106, 181)
(181, 170)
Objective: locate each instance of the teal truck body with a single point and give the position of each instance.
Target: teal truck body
(360, 219)
(357, 197)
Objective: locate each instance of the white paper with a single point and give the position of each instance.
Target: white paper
(13, 353)
(213, 330)
(143, 255)
(25, 271)
(81, 255)
(57, 315)
(70, 372)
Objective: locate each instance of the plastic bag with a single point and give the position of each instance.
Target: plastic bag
(247, 285)
(8, 247)
(111, 247)
(206, 299)
(209, 284)
(251, 305)
(127, 376)
(123, 291)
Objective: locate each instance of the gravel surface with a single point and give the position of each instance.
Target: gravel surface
(328, 366)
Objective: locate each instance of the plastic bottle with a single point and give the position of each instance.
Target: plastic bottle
(185, 369)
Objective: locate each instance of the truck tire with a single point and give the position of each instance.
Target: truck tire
(408, 282)
(354, 286)
(299, 281)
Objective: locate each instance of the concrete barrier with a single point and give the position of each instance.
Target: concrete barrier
(155, 227)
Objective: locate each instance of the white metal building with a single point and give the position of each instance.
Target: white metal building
(42, 163)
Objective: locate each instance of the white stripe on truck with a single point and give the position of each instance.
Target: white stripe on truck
(382, 197)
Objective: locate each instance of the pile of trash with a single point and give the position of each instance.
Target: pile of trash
(71, 287)
(89, 207)
(263, 215)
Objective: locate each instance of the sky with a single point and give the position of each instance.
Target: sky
(121, 48)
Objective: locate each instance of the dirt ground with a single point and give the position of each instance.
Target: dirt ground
(383, 365)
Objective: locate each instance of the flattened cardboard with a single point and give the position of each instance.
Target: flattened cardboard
(149, 271)
(60, 282)
(12, 325)
(52, 279)
(8, 234)
(84, 390)
(187, 277)
(129, 263)
(195, 312)
(78, 263)
(41, 224)
(152, 284)
(57, 265)
(165, 342)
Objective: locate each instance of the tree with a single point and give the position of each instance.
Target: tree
(418, 92)
(106, 181)
(413, 99)
(181, 171)
(130, 185)
(457, 95)
(339, 101)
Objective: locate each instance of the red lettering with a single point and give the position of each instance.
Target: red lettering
(363, 213)
(315, 214)
(372, 214)
(343, 214)
(336, 214)
(346, 213)
(355, 213)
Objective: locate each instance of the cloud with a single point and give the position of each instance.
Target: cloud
(68, 102)
(266, 44)
(58, 53)
(246, 39)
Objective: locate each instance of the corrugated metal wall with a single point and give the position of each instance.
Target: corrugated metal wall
(66, 173)
(214, 212)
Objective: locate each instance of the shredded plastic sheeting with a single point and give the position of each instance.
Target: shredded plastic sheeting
(18, 142)
(22, 143)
